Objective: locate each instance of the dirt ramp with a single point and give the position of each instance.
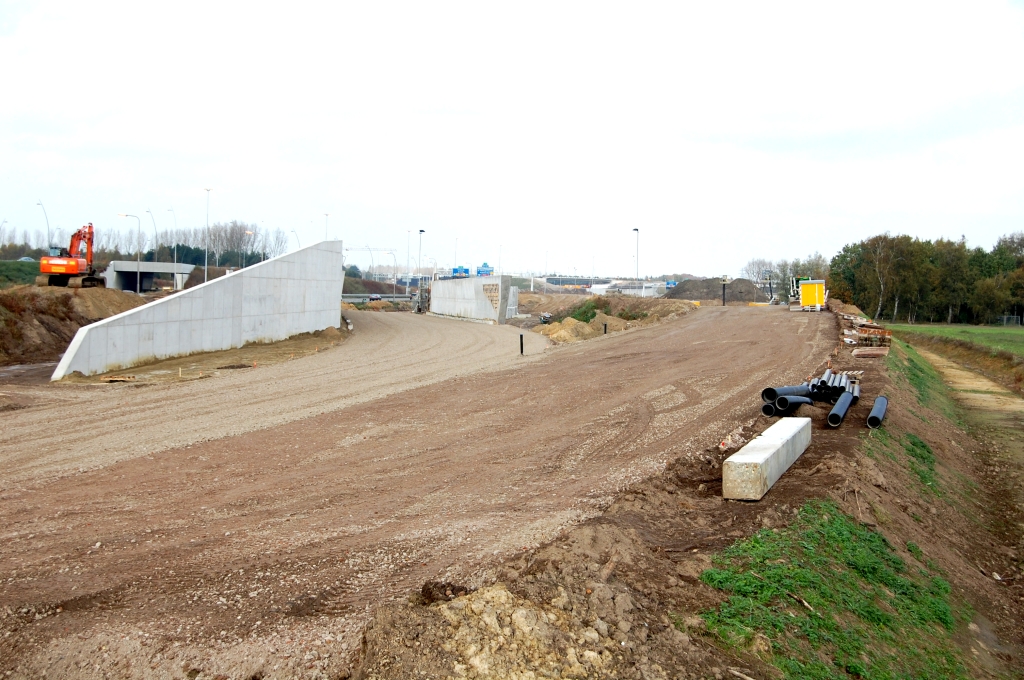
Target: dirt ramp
(36, 324)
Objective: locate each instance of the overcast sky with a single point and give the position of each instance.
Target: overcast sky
(723, 131)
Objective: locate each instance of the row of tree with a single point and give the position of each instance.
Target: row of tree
(775, 276)
(231, 244)
(903, 278)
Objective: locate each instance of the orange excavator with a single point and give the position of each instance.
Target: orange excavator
(67, 268)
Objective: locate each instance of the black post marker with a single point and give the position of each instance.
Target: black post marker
(606, 329)
(723, 293)
(520, 344)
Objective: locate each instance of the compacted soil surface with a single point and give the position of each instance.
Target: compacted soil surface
(252, 524)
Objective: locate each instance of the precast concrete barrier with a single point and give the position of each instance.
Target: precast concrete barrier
(480, 298)
(749, 473)
(295, 293)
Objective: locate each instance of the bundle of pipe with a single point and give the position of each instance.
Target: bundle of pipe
(785, 405)
(770, 394)
(830, 386)
(877, 412)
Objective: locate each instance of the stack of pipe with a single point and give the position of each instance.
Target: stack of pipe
(781, 401)
(829, 387)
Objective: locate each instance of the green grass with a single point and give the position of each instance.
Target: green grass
(1005, 338)
(834, 601)
(907, 365)
(922, 461)
(15, 273)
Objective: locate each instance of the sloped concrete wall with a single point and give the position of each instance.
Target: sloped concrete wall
(295, 293)
(480, 298)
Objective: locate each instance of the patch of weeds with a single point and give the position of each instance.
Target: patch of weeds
(588, 309)
(630, 314)
(835, 601)
(916, 517)
(879, 441)
(914, 550)
(922, 461)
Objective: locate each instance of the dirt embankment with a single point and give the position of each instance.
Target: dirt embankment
(36, 324)
(710, 291)
(626, 594)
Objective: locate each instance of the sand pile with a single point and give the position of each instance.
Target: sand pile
(614, 323)
(571, 330)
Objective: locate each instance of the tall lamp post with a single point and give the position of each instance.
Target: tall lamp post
(40, 204)
(206, 260)
(174, 276)
(408, 240)
(394, 281)
(638, 256)
(138, 253)
(419, 254)
(297, 239)
(156, 252)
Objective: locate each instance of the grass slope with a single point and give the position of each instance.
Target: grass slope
(829, 598)
(1004, 338)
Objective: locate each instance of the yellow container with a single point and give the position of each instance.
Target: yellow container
(812, 293)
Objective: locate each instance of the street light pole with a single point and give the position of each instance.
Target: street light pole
(206, 261)
(138, 253)
(156, 252)
(394, 280)
(419, 276)
(40, 204)
(174, 276)
(638, 256)
(408, 240)
(297, 239)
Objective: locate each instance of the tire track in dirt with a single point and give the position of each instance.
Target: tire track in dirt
(267, 552)
(72, 427)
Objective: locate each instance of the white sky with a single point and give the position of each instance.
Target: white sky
(723, 131)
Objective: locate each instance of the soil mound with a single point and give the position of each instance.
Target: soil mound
(36, 324)
(737, 290)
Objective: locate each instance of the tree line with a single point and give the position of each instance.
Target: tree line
(775, 276)
(231, 244)
(900, 278)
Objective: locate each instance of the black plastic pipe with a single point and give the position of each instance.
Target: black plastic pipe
(770, 394)
(838, 412)
(768, 410)
(878, 412)
(785, 402)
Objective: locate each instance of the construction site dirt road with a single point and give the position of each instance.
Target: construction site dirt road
(193, 544)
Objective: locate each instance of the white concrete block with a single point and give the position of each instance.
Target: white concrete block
(749, 473)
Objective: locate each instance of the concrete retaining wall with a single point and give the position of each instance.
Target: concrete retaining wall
(480, 298)
(295, 293)
(749, 473)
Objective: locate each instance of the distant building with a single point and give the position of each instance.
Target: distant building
(576, 281)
